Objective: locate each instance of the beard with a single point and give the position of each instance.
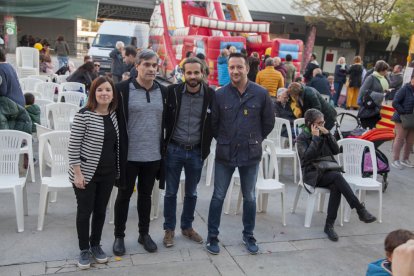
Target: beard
(193, 83)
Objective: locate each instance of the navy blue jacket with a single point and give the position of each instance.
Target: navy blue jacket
(320, 83)
(403, 102)
(240, 123)
(340, 74)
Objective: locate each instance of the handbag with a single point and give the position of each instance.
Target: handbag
(324, 164)
(407, 120)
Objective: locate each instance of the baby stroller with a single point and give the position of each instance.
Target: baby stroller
(378, 136)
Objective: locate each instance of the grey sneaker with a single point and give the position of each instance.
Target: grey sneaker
(98, 254)
(407, 163)
(397, 164)
(84, 262)
(251, 245)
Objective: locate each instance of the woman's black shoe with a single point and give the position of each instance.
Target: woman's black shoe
(330, 231)
(365, 216)
(147, 242)
(119, 247)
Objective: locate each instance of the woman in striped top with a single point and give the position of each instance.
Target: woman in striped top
(94, 165)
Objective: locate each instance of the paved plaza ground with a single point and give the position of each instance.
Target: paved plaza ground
(289, 250)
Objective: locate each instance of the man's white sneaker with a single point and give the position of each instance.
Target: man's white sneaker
(397, 164)
(407, 163)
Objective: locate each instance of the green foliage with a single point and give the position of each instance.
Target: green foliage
(402, 18)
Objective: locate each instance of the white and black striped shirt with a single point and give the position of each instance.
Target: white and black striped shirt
(86, 142)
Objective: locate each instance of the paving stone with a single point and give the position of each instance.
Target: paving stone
(155, 258)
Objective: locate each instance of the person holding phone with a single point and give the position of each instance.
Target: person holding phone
(313, 144)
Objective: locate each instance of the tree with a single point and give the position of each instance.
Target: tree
(402, 18)
(357, 19)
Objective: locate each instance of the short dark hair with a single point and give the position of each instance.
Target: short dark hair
(200, 56)
(193, 60)
(381, 66)
(2, 55)
(288, 57)
(130, 50)
(188, 54)
(92, 103)
(396, 238)
(29, 98)
(85, 58)
(243, 51)
(239, 55)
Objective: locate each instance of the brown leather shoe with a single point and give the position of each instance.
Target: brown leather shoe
(168, 238)
(192, 235)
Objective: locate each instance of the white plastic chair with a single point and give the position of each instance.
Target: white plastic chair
(76, 98)
(43, 115)
(61, 78)
(29, 84)
(44, 78)
(48, 90)
(351, 158)
(267, 181)
(10, 181)
(297, 123)
(72, 86)
(210, 162)
(27, 61)
(61, 115)
(58, 179)
(281, 150)
(310, 205)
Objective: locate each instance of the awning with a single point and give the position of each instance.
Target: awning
(60, 9)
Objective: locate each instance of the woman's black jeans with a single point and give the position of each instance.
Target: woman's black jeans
(338, 186)
(93, 200)
(146, 172)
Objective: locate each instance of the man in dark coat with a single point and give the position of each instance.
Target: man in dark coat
(307, 98)
(320, 82)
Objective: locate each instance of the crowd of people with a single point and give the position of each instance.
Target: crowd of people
(133, 129)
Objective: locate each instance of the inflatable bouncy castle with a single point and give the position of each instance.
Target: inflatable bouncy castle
(179, 26)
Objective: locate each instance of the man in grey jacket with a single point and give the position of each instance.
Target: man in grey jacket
(242, 117)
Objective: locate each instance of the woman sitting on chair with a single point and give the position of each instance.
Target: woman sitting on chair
(316, 145)
(94, 166)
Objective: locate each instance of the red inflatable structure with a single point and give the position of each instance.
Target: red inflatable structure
(179, 26)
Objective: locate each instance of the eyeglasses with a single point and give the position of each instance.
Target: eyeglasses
(97, 65)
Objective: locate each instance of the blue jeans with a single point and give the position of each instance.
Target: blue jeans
(338, 88)
(62, 61)
(176, 159)
(222, 177)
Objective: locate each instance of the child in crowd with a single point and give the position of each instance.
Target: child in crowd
(331, 85)
(126, 76)
(46, 65)
(382, 267)
(33, 110)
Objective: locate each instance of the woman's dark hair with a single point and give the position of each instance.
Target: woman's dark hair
(311, 115)
(92, 103)
(381, 66)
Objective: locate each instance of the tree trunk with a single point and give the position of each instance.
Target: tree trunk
(362, 45)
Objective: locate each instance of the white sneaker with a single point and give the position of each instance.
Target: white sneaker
(397, 164)
(407, 163)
